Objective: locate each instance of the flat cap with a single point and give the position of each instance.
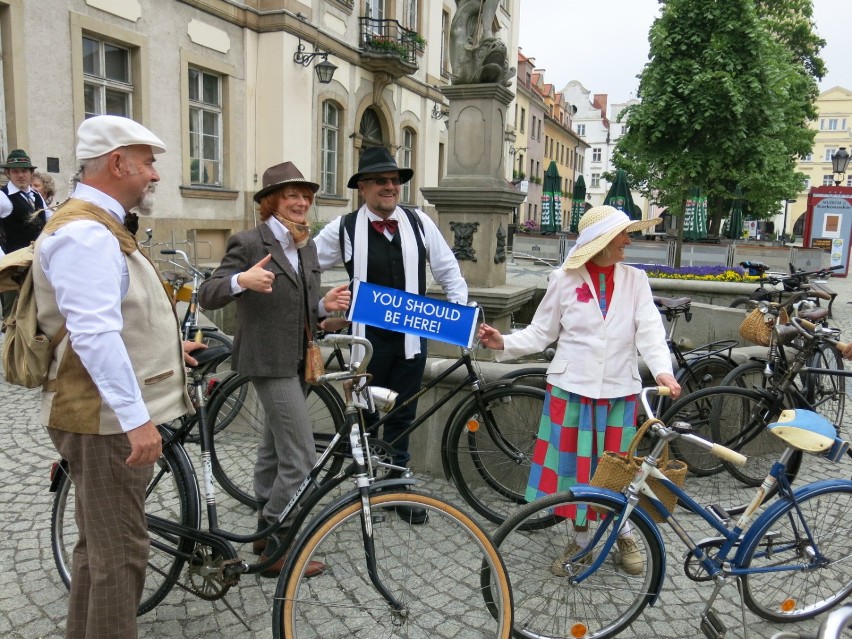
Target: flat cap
(104, 133)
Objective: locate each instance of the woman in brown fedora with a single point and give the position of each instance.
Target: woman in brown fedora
(599, 312)
(273, 274)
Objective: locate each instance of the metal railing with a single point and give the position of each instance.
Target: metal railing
(389, 37)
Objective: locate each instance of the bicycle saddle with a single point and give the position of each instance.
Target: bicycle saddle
(804, 430)
(672, 303)
(216, 355)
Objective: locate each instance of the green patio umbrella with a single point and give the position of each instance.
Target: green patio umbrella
(734, 223)
(619, 195)
(578, 204)
(551, 200)
(695, 216)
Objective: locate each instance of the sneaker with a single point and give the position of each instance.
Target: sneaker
(559, 564)
(631, 558)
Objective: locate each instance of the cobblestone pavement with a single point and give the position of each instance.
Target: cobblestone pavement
(33, 600)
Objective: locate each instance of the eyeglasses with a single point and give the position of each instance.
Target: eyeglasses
(383, 181)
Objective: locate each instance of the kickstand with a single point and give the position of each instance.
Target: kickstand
(235, 613)
(742, 606)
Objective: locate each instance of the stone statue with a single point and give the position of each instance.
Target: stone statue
(463, 244)
(477, 56)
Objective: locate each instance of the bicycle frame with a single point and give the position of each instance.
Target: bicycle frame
(732, 539)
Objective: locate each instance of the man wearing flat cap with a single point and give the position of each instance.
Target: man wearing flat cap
(116, 373)
(22, 211)
(389, 245)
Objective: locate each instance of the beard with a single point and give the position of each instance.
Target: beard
(146, 205)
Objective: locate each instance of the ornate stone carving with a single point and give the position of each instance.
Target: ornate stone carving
(463, 242)
(500, 253)
(477, 56)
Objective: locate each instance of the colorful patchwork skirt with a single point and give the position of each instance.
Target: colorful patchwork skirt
(573, 433)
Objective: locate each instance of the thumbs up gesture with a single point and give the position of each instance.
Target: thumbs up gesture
(257, 278)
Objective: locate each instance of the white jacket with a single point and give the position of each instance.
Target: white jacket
(595, 358)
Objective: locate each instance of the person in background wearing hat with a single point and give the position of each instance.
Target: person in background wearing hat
(385, 244)
(117, 372)
(599, 312)
(22, 211)
(273, 274)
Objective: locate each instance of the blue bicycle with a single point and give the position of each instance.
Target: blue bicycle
(790, 563)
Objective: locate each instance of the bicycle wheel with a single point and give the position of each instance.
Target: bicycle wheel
(826, 392)
(601, 605)
(487, 452)
(171, 495)
(703, 372)
(434, 570)
(234, 447)
(737, 418)
(750, 374)
(820, 573)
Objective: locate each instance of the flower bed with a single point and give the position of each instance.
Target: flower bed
(699, 273)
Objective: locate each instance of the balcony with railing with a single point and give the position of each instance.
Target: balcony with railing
(386, 46)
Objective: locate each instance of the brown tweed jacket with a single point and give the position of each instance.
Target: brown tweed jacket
(270, 336)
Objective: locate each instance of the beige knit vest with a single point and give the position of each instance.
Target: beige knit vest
(71, 401)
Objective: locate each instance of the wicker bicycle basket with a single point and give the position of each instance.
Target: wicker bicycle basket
(615, 471)
(757, 326)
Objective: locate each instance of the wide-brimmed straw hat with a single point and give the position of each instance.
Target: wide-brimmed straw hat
(279, 176)
(377, 159)
(598, 226)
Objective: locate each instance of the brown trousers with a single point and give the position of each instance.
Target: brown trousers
(111, 555)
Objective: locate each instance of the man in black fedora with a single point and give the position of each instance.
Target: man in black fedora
(389, 245)
(20, 223)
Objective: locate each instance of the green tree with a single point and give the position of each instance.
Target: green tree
(724, 102)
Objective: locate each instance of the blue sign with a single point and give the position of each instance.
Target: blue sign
(396, 310)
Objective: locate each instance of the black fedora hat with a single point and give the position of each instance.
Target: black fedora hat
(377, 159)
(18, 159)
(279, 176)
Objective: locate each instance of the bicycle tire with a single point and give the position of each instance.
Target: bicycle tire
(750, 374)
(488, 479)
(233, 453)
(778, 539)
(734, 417)
(435, 569)
(548, 606)
(703, 372)
(171, 495)
(826, 392)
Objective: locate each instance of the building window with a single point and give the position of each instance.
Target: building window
(828, 154)
(806, 186)
(849, 181)
(406, 160)
(596, 180)
(523, 118)
(107, 83)
(205, 127)
(828, 180)
(330, 141)
(832, 124)
(581, 130)
(808, 158)
(596, 154)
(445, 46)
(409, 17)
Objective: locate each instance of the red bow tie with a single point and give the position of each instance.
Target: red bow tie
(385, 225)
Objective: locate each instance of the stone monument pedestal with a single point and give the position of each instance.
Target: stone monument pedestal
(475, 202)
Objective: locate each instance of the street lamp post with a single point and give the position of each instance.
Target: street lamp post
(839, 162)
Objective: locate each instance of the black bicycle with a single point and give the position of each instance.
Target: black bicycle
(383, 575)
(777, 288)
(486, 444)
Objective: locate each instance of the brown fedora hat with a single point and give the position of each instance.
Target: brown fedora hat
(279, 176)
(377, 159)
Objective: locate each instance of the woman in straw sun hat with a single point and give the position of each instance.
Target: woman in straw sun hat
(599, 312)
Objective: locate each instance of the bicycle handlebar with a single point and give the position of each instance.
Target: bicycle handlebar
(188, 266)
(335, 339)
(808, 328)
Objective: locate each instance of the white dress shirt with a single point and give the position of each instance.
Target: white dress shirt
(84, 263)
(442, 261)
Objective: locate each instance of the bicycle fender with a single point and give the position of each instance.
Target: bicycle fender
(584, 491)
(758, 528)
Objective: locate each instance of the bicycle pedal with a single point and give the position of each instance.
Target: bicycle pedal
(712, 626)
